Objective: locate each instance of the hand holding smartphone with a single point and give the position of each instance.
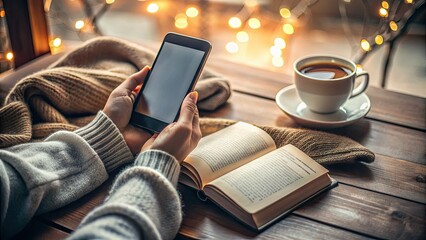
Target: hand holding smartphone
(173, 75)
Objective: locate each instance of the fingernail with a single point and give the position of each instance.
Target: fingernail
(194, 96)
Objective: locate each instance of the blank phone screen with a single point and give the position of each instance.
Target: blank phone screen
(169, 81)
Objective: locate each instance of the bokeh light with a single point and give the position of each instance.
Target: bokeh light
(385, 5)
(234, 22)
(79, 24)
(393, 26)
(288, 29)
(378, 39)
(242, 36)
(153, 8)
(383, 12)
(191, 12)
(285, 12)
(279, 42)
(277, 61)
(275, 51)
(56, 42)
(365, 45)
(232, 47)
(9, 56)
(254, 23)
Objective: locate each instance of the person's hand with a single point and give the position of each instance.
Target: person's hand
(119, 109)
(181, 137)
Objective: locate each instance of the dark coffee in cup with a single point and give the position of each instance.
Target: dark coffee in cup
(325, 82)
(325, 70)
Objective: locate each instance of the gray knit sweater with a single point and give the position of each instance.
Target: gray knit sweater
(39, 177)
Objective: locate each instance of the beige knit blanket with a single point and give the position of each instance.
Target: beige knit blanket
(71, 91)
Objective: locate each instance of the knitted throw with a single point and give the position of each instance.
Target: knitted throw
(70, 92)
(325, 148)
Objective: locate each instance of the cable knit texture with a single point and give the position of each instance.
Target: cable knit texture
(70, 92)
(110, 145)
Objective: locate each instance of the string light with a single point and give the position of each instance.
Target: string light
(55, 42)
(385, 5)
(232, 47)
(378, 39)
(9, 56)
(192, 12)
(393, 26)
(277, 61)
(181, 21)
(359, 68)
(279, 42)
(365, 45)
(79, 24)
(285, 13)
(2, 13)
(153, 8)
(275, 51)
(408, 1)
(254, 23)
(234, 22)
(383, 12)
(242, 36)
(109, 1)
(288, 29)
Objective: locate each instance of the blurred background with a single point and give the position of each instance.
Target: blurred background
(386, 38)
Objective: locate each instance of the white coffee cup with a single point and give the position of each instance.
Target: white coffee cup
(324, 82)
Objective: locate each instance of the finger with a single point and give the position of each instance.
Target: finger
(196, 121)
(196, 130)
(188, 109)
(133, 81)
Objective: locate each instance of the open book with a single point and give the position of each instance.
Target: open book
(241, 170)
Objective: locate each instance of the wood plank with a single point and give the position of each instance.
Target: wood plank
(387, 175)
(37, 230)
(356, 210)
(70, 216)
(381, 138)
(368, 212)
(204, 220)
(387, 106)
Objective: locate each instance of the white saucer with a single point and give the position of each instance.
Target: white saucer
(354, 109)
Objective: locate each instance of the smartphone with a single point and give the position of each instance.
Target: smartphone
(173, 75)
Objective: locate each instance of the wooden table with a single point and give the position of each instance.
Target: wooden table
(384, 200)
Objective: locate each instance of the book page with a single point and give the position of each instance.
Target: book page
(227, 149)
(269, 178)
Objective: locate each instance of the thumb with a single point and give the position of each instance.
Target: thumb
(188, 109)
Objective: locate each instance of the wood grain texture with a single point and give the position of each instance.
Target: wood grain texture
(204, 220)
(387, 106)
(387, 175)
(368, 212)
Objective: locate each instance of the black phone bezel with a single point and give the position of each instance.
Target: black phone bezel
(154, 125)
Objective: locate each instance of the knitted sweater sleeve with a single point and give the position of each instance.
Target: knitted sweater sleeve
(143, 202)
(43, 176)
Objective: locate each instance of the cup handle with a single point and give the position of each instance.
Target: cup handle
(363, 86)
